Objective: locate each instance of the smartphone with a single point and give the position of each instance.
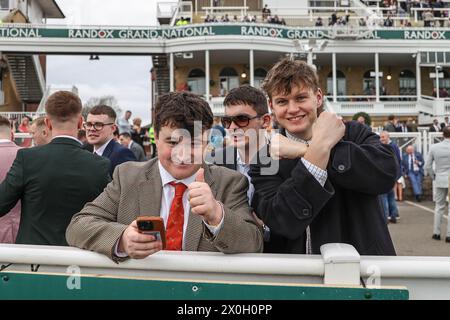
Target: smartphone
(153, 226)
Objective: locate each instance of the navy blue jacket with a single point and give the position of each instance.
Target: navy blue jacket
(405, 162)
(117, 154)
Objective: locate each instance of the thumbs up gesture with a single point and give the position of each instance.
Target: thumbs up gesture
(202, 201)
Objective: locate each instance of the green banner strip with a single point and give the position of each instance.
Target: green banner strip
(280, 32)
(25, 286)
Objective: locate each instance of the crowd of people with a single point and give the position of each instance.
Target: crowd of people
(285, 191)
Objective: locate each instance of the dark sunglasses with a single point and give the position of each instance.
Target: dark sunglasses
(241, 120)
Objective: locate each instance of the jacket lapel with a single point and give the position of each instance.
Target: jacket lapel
(109, 149)
(150, 191)
(195, 227)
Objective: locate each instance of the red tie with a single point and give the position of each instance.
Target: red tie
(175, 222)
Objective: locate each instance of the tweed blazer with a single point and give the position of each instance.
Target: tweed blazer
(136, 190)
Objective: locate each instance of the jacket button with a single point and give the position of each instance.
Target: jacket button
(305, 212)
(341, 167)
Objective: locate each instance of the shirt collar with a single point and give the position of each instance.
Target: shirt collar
(294, 138)
(129, 145)
(68, 137)
(166, 177)
(100, 150)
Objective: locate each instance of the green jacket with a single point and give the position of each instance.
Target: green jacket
(53, 182)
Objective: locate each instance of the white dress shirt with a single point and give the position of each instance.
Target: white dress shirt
(244, 168)
(100, 150)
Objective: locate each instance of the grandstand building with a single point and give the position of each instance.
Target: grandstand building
(22, 76)
(380, 57)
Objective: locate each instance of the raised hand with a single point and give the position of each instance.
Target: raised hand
(202, 201)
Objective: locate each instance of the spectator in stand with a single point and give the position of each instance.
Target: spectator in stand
(440, 155)
(39, 131)
(438, 5)
(388, 22)
(319, 22)
(9, 223)
(208, 19)
(235, 18)
(428, 18)
(100, 127)
(265, 12)
(412, 166)
(225, 18)
(334, 18)
(389, 204)
(362, 22)
(56, 180)
(443, 93)
(138, 151)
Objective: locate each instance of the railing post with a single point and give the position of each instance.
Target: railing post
(342, 264)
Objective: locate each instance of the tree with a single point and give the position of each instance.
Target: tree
(108, 100)
(366, 116)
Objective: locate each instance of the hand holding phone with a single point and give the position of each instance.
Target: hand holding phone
(152, 226)
(138, 245)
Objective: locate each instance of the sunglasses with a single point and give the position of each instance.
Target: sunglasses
(241, 120)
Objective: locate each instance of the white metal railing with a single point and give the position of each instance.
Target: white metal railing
(18, 116)
(424, 277)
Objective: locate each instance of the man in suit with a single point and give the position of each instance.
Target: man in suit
(435, 127)
(39, 131)
(440, 155)
(9, 223)
(327, 190)
(412, 166)
(100, 127)
(55, 180)
(445, 123)
(391, 125)
(126, 141)
(204, 207)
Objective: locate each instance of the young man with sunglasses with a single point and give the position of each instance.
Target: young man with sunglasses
(100, 126)
(327, 191)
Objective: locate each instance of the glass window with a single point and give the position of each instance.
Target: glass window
(432, 57)
(369, 83)
(424, 57)
(341, 83)
(196, 81)
(407, 83)
(444, 82)
(229, 79)
(447, 57)
(4, 4)
(440, 57)
(260, 75)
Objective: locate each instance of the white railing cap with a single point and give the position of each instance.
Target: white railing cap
(339, 253)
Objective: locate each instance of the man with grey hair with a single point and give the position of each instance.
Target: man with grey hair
(41, 134)
(440, 155)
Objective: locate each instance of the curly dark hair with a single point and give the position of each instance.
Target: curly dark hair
(182, 110)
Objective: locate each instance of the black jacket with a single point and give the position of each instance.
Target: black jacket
(54, 182)
(346, 210)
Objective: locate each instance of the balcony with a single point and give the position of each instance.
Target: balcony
(427, 107)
